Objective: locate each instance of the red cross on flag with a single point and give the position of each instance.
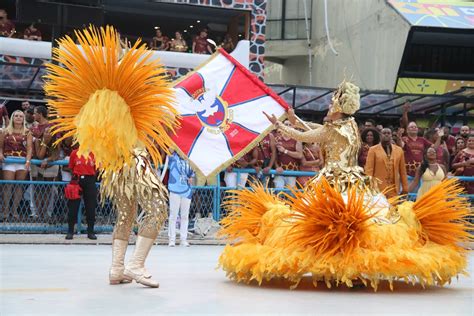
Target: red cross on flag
(221, 106)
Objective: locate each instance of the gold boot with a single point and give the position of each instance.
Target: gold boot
(116, 276)
(136, 266)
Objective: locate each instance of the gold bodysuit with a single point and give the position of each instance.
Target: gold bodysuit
(136, 184)
(340, 143)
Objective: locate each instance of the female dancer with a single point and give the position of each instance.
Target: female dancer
(123, 125)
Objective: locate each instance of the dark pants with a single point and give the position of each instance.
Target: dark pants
(89, 195)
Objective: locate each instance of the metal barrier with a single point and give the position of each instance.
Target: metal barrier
(40, 206)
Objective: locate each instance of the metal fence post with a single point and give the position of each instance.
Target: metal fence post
(217, 198)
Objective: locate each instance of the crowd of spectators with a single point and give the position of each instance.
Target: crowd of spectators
(27, 135)
(393, 155)
(199, 44)
(388, 154)
(8, 29)
(178, 41)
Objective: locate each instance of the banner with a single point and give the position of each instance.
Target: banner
(221, 106)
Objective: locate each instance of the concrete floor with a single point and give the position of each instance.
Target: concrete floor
(72, 280)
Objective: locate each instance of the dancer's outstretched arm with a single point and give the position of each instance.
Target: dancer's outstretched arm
(299, 123)
(311, 136)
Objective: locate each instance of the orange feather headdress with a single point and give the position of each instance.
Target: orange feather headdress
(110, 101)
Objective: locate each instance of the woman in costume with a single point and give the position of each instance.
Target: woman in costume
(15, 141)
(117, 105)
(431, 173)
(339, 229)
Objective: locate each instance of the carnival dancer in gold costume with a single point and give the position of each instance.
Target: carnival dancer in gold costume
(118, 105)
(339, 228)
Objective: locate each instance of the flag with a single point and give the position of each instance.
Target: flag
(221, 106)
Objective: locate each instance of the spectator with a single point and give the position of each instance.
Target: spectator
(464, 132)
(29, 117)
(442, 154)
(248, 160)
(370, 137)
(32, 33)
(84, 172)
(414, 147)
(178, 44)
(289, 154)
(464, 163)
(312, 160)
(45, 150)
(228, 44)
(4, 120)
(179, 185)
(200, 44)
(25, 105)
(7, 28)
(160, 42)
(430, 171)
(386, 162)
(370, 123)
(449, 139)
(15, 142)
(266, 149)
(460, 145)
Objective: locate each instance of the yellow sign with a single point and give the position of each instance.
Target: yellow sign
(430, 86)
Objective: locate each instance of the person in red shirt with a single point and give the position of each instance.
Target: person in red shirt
(4, 120)
(449, 139)
(370, 137)
(200, 44)
(83, 170)
(464, 164)
(7, 28)
(32, 33)
(160, 42)
(414, 148)
(289, 155)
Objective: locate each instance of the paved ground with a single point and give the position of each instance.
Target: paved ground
(72, 280)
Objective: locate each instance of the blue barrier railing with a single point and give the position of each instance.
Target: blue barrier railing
(206, 200)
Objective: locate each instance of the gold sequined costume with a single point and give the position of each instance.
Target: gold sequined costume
(135, 185)
(336, 229)
(340, 143)
(117, 103)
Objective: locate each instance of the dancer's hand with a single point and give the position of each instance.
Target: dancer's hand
(272, 118)
(291, 116)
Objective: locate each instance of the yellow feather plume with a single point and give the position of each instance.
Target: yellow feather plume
(323, 221)
(110, 103)
(245, 211)
(443, 214)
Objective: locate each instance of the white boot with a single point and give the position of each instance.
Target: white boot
(136, 266)
(116, 276)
